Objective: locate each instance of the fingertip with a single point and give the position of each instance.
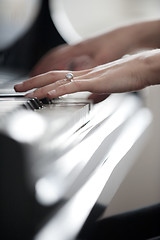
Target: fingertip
(15, 88)
(51, 94)
(18, 87)
(30, 95)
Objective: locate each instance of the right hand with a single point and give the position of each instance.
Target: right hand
(128, 74)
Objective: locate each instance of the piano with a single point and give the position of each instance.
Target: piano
(62, 160)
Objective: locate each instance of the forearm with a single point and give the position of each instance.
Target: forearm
(143, 35)
(151, 61)
(135, 36)
(123, 40)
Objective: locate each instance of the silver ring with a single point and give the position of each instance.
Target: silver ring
(69, 76)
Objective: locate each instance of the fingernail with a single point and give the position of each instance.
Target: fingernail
(51, 93)
(31, 94)
(18, 86)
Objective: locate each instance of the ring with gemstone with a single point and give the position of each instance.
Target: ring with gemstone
(69, 76)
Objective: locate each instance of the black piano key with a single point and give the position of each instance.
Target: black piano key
(32, 103)
(46, 101)
(38, 102)
(2, 95)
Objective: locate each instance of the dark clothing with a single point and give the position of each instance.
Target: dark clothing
(140, 224)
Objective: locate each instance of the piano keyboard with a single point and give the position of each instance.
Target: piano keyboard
(53, 153)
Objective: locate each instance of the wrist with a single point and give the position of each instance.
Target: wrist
(151, 61)
(144, 35)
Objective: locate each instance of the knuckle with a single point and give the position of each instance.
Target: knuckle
(51, 73)
(63, 88)
(27, 84)
(77, 46)
(93, 87)
(40, 92)
(59, 83)
(77, 84)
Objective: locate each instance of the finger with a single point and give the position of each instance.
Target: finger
(52, 60)
(39, 81)
(64, 57)
(80, 63)
(49, 64)
(71, 87)
(46, 79)
(43, 91)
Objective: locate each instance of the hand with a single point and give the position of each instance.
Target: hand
(131, 73)
(86, 54)
(64, 57)
(101, 49)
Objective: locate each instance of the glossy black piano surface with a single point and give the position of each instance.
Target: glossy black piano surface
(57, 156)
(61, 160)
